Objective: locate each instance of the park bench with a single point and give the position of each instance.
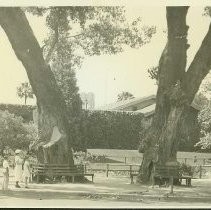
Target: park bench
(165, 172)
(169, 173)
(132, 175)
(59, 170)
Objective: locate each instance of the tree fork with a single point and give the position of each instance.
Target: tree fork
(160, 142)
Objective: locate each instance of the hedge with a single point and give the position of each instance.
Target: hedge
(113, 130)
(25, 111)
(110, 130)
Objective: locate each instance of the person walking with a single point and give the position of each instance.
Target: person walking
(5, 182)
(18, 168)
(26, 171)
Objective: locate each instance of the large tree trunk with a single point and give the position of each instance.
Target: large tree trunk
(160, 143)
(53, 122)
(176, 90)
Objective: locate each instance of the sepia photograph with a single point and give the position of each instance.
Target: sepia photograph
(105, 104)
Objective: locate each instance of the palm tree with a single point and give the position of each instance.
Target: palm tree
(25, 91)
(124, 96)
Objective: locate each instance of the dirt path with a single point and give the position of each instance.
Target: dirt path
(106, 192)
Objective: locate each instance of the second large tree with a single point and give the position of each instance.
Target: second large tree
(176, 90)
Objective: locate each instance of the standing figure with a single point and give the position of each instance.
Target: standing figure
(18, 167)
(26, 171)
(5, 173)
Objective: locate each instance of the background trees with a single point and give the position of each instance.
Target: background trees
(25, 91)
(124, 96)
(204, 116)
(14, 133)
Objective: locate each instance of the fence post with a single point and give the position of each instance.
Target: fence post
(130, 170)
(185, 160)
(204, 161)
(172, 184)
(125, 160)
(107, 169)
(200, 172)
(85, 168)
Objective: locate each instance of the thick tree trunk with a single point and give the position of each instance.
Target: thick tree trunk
(176, 91)
(53, 122)
(160, 143)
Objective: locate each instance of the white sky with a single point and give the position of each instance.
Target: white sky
(107, 76)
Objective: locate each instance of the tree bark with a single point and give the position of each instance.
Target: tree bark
(176, 91)
(160, 142)
(53, 122)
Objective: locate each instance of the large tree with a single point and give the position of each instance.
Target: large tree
(101, 30)
(176, 90)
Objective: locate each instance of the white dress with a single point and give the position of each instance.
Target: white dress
(18, 168)
(26, 169)
(5, 166)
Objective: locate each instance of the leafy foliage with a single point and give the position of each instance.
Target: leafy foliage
(204, 119)
(185, 169)
(66, 80)
(76, 32)
(95, 30)
(201, 100)
(153, 73)
(25, 91)
(14, 133)
(111, 130)
(124, 96)
(24, 111)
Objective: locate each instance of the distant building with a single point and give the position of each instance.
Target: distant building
(145, 105)
(88, 100)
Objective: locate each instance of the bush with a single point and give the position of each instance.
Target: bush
(14, 133)
(24, 111)
(185, 169)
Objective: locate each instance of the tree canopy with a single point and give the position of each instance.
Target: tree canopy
(76, 32)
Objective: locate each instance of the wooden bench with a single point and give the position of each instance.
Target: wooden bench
(165, 172)
(131, 177)
(59, 170)
(169, 173)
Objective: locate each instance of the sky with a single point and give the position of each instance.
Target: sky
(107, 76)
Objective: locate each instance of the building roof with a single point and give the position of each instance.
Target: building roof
(146, 105)
(121, 105)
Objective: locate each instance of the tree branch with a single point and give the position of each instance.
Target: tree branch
(173, 60)
(199, 67)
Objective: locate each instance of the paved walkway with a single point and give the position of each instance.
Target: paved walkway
(108, 190)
